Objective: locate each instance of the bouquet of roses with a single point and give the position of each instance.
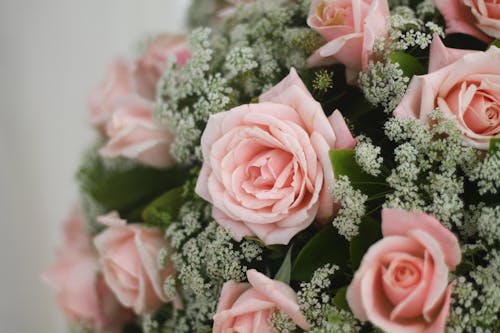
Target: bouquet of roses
(290, 166)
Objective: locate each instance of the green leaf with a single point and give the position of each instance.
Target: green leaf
(496, 43)
(127, 188)
(327, 246)
(494, 145)
(340, 299)
(285, 270)
(369, 233)
(344, 163)
(408, 63)
(164, 209)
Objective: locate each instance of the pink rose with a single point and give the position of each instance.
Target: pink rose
(81, 291)
(117, 82)
(465, 86)
(478, 18)
(133, 134)
(246, 307)
(266, 167)
(350, 28)
(152, 64)
(129, 256)
(402, 283)
(122, 105)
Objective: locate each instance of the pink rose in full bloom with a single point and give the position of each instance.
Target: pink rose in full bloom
(133, 133)
(465, 86)
(266, 167)
(402, 282)
(246, 307)
(81, 290)
(350, 28)
(129, 256)
(478, 18)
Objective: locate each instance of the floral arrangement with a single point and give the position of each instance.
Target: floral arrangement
(291, 166)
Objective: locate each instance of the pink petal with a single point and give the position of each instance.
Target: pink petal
(281, 294)
(343, 136)
(400, 222)
(441, 56)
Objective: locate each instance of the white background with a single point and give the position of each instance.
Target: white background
(52, 52)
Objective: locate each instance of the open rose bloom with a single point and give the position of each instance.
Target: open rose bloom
(266, 167)
(129, 257)
(122, 106)
(402, 282)
(478, 18)
(247, 307)
(465, 86)
(350, 28)
(81, 290)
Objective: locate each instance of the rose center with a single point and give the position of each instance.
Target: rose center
(330, 14)
(405, 274)
(266, 169)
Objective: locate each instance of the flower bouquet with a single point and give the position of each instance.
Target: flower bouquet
(291, 166)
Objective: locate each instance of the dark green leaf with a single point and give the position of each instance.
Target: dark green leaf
(408, 63)
(285, 270)
(128, 188)
(369, 233)
(494, 145)
(327, 246)
(344, 163)
(340, 299)
(164, 209)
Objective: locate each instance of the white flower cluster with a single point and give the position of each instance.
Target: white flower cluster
(430, 163)
(205, 257)
(475, 305)
(314, 297)
(316, 304)
(383, 84)
(250, 53)
(282, 323)
(368, 156)
(352, 207)
(408, 31)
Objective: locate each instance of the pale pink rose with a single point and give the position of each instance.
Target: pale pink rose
(129, 256)
(246, 307)
(478, 18)
(122, 105)
(117, 82)
(465, 86)
(133, 134)
(151, 65)
(81, 291)
(350, 28)
(402, 282)
(266, 167)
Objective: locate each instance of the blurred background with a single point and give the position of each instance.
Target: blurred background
(52, 53)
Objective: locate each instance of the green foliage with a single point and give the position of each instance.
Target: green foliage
(340, 299)
(164, 209)
(369, 233)
(124, 187)
(408, 63)
(494, 146)
(326, 247)
(285, 270)
(496, 43)
(344, 164)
